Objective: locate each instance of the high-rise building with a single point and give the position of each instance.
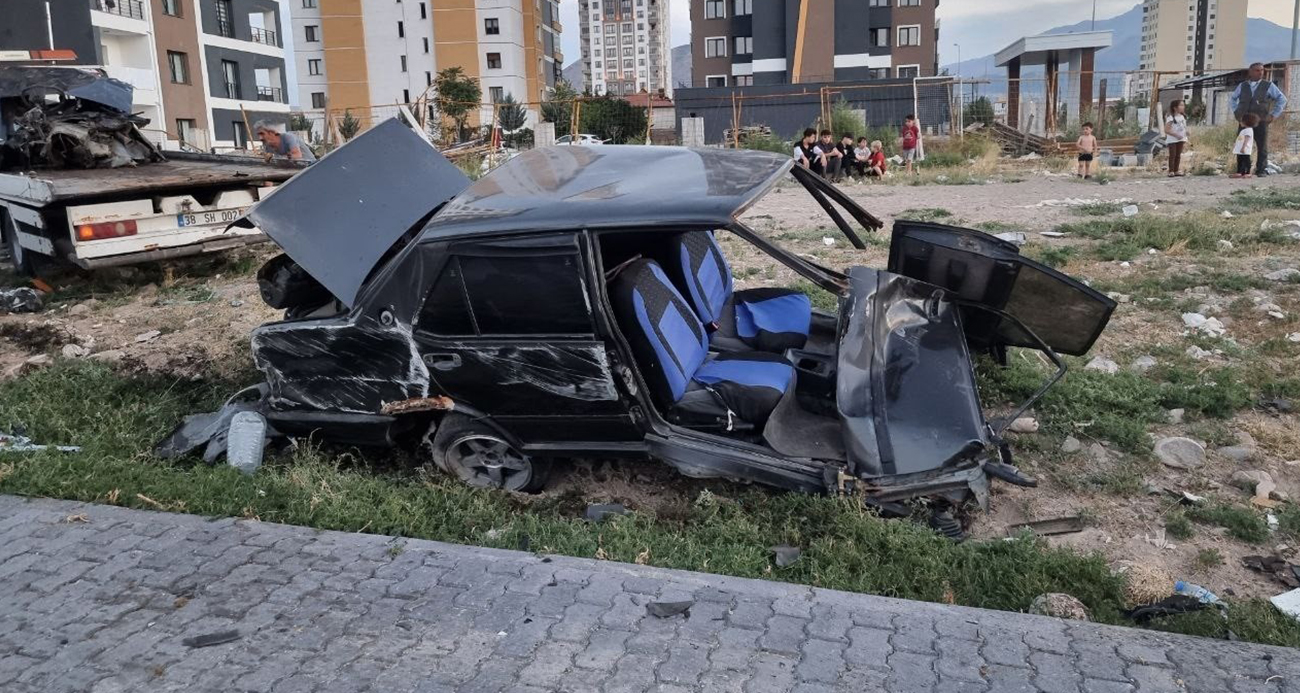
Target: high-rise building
(625, 46)
(367, 56)
(1183, 37)
(200, 69)
(743, 42)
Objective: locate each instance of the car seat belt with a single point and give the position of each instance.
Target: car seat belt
(731, 415)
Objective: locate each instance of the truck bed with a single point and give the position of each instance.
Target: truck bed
(182, 171)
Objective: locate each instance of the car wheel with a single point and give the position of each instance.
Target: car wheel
(483, 458)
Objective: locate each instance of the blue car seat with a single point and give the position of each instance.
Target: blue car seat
(764, 319)
(672, 350)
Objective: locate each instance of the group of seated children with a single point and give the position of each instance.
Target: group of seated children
(834, 161)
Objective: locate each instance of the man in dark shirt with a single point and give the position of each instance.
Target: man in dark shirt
(803, 151)
(832, 159)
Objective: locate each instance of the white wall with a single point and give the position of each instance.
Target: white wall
(512, 76)
(304, 82)
(384, 49)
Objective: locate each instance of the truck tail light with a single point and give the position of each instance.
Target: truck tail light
(108, 229)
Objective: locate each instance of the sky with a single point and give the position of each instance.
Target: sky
(979, 26)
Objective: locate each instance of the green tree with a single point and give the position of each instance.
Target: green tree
(349, 126)
(457, 95)
(979, 111)
(510, 114)
(558, 108)
(613, 119)
(299, 123)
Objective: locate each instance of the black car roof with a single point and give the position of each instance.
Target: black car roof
(575, 186)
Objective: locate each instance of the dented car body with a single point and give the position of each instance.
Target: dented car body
(576, 302)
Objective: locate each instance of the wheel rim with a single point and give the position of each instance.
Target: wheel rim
(489, 462)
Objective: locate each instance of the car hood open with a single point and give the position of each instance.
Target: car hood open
(340, 216)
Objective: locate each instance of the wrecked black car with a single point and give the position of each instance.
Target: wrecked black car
(576, 302)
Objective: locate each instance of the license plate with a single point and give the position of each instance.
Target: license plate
(221, 216)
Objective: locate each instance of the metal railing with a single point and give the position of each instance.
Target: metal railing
(133, 9)
(265, 36)
(270, 94)
(233, 91)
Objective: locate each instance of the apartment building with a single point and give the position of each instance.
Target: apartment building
(625, 47)
(368, 56)
(744, 42)
(199, 68)
(1184, 37)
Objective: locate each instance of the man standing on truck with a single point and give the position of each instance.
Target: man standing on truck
(278, 143)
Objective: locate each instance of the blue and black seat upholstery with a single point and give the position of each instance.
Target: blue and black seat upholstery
(765, 319)
(672, 350)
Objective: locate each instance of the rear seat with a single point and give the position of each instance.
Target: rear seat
(672, 349)
(765, 319)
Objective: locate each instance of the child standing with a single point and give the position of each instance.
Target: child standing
(911, 139)
(1087, 145)
(1244, 147)
(1176, 135)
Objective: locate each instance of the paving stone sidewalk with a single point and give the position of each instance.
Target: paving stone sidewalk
(100, 599)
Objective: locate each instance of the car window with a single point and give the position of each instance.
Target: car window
(512, 293)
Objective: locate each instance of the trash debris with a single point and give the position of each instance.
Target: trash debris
(828, 241)
(1226, 214)
(1288, 274)
(1053, 526)
(1288, 603)
(22, 299)
(73, 351)
(245, 441)
(1102, 364)
(1053, 234)
(1276, 567)
(210, 639)
(1130, 210)
(1180, 453)
(669, 609)
(1016, 237)
(1059, 605)
(1294, 337)
(1024, 424)
(600, 511)
(785, 555)
(21, 443)
(1169, 606)
(147, 336)
(1200, 594)
(1224, 244)
(1198, 353)
(1143, 364)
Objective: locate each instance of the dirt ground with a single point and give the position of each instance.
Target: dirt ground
(202, 312)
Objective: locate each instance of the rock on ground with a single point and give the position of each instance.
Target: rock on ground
(1180, 453)
(1060, 605)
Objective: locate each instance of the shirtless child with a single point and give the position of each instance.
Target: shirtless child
(1087, 145)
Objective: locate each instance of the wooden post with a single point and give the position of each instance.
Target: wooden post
(1013, 93)
(1101, 111)
(1152, 123)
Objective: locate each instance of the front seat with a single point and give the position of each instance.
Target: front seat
(672, 350)
(766, 319)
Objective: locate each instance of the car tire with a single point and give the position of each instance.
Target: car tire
(480, 456)
(20, 258)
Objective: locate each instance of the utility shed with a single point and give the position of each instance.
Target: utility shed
(1067, 61)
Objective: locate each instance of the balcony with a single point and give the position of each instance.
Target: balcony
(559, 57)
(265, 37)
(270, 94)
(559, 28)
(131, 9)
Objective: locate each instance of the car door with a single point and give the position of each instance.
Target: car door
(995, 281)
(506, 327)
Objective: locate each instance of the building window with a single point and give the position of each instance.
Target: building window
(627, 27)
(879, 73)
(313, 66)
(311, 33)
(179, 65)
(185, 128)
(318, 99)
(172, 8)
(611, 29)
(491, 26)
(909, 35)
(424, 11)
(428, 78)
(239, 134)
(497, 94)
(406, 96)
(877, 3)
(401, 30)
(909, 3)
(403, 59)
(715, 47)
(715, 9)
(426, 44)
(743, 7)
(627, 40)
(610, 41)
(309, 4)
(494, 61)
(744, 45)
(225, 27)
(230, 73)
(715, 81)
(909, 71)
(880, 37)
(743, 80)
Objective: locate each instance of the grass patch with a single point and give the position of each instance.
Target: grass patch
(1126, 238)
(924, 214)
(1241, 523)
(821, 298)
(1178, 526)
(1252, 620)
(1208, 558)
(1097, 209)
(1246, 201)
(1050, 255)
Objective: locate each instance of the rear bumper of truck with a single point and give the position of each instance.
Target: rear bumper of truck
(213, 245)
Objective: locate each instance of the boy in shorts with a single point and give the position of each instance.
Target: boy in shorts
(1087, 145)
(911, 138)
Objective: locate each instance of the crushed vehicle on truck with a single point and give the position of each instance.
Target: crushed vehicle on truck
(575, 302)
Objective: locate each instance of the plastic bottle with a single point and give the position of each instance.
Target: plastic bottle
(1200, 593)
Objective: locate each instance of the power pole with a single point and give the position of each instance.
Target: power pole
(1295, 29)
(1094, 14)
